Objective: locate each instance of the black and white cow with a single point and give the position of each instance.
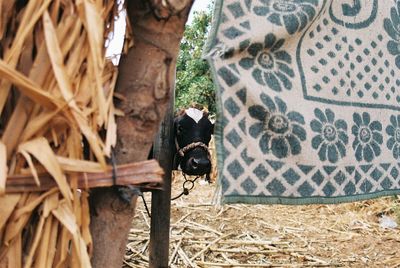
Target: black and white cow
(192, 132)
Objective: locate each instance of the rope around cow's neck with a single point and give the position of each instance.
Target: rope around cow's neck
(181, 152)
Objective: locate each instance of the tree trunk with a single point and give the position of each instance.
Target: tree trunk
(146, 76)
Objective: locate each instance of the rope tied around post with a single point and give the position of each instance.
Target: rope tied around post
(125, 193)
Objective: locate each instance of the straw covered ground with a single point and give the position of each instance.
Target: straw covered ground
(206, 235)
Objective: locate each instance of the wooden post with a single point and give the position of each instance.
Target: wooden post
(161, 200)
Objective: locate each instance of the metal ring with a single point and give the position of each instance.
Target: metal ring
(188, 181)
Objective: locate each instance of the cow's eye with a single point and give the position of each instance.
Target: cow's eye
(180, 129)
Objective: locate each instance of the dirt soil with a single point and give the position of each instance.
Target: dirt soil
(207, 235)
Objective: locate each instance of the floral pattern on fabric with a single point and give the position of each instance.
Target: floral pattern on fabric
(281, 131)
(331, 138)
(269, 63)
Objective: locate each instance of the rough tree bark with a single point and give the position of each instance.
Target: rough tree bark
(146, 77)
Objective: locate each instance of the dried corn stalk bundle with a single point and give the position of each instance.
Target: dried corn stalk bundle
(56, 92)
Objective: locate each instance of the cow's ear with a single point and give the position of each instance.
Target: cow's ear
(180, 112)
(205, 112)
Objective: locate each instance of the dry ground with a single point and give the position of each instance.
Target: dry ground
(206, 235)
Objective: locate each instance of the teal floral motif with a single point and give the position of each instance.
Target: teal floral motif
(331, 138)
(393, 131)
(293, 14)
(392, 28)
(368, 137)
(280, 132)
(269, 63)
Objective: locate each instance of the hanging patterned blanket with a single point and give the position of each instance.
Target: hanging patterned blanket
(309, 99)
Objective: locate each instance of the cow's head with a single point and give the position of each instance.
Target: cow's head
(192, 131)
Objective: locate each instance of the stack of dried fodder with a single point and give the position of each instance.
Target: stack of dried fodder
(56, 92)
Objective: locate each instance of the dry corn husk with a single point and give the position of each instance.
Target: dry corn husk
(56, 91)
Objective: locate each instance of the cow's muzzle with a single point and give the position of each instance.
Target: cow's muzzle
(194, 158)
(198, 166)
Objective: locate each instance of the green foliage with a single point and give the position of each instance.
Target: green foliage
(193, 77)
